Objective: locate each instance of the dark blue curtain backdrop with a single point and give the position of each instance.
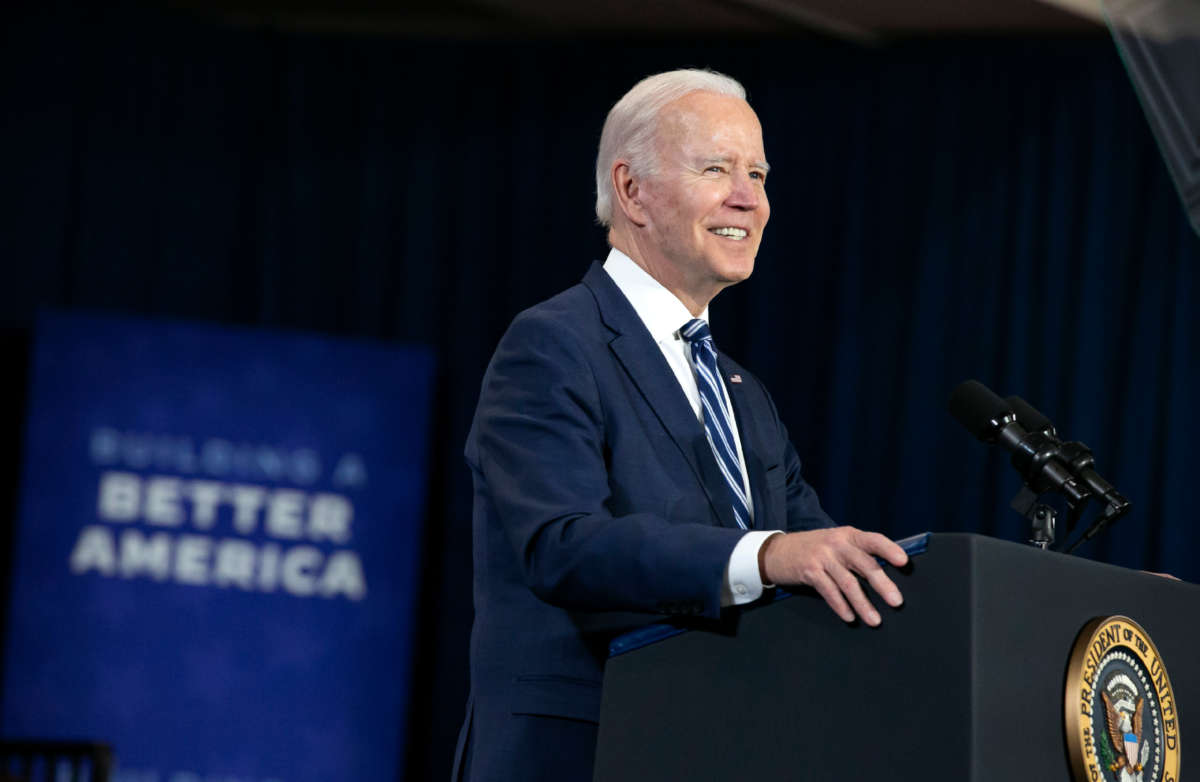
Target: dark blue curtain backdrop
(941, 210)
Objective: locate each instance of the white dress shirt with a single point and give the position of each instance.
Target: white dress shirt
(663, 315)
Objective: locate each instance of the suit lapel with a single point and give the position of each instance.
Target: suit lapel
(748, 433)
(637, 352)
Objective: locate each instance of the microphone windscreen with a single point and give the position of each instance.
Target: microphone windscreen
(977, 408)
(1029, 418)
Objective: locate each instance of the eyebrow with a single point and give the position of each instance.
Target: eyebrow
(756, 164)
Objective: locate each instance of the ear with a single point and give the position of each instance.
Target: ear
(628, 192)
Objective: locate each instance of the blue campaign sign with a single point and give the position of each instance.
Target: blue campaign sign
(216, 551)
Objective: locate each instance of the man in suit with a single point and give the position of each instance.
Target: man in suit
(624, 471)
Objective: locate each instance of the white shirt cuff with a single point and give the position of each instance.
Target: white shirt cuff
(743, 583)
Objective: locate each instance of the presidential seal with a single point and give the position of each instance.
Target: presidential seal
(1120, 708)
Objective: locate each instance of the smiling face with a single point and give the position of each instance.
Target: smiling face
(697, 220)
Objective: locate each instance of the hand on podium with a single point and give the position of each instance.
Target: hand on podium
(830, 561)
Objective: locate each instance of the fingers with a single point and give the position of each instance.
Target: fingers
(885, 587)
(882, 546)
(865, 565)
(831, 562)
(832, 593)
(852, 590)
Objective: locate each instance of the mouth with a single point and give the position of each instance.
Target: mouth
(730, 232)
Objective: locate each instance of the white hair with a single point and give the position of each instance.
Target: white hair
(633, 121)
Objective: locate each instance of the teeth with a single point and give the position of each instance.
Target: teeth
(733, 233)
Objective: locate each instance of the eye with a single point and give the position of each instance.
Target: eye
(761, 176)
(715, 169)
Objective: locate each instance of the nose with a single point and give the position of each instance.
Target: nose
(747, 192)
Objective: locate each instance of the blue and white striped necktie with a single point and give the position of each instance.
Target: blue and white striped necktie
(718, 416)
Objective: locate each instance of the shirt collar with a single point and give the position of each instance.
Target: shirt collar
(661, 312)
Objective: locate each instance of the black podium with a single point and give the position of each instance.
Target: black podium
(964, 682)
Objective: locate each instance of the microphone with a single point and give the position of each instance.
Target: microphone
(1077, 456)
(1079, 460)
(1035, 454)
(1029, 417)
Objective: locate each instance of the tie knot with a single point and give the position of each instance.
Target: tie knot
(696, 330)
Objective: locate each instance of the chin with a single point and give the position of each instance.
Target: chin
(736, 271)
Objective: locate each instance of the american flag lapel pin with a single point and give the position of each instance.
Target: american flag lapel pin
(735, 378)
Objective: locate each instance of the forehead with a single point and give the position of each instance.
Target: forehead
(707, 123)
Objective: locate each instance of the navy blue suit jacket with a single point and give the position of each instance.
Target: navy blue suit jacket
(599, 507)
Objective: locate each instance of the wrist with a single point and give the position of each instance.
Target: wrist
(763, 574)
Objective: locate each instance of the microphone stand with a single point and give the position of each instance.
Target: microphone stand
(1113, 511)
(1043, 518)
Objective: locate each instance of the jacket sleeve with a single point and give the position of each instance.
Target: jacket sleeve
(540, 454)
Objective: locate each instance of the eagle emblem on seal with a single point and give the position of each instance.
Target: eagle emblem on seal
(1123, 708)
